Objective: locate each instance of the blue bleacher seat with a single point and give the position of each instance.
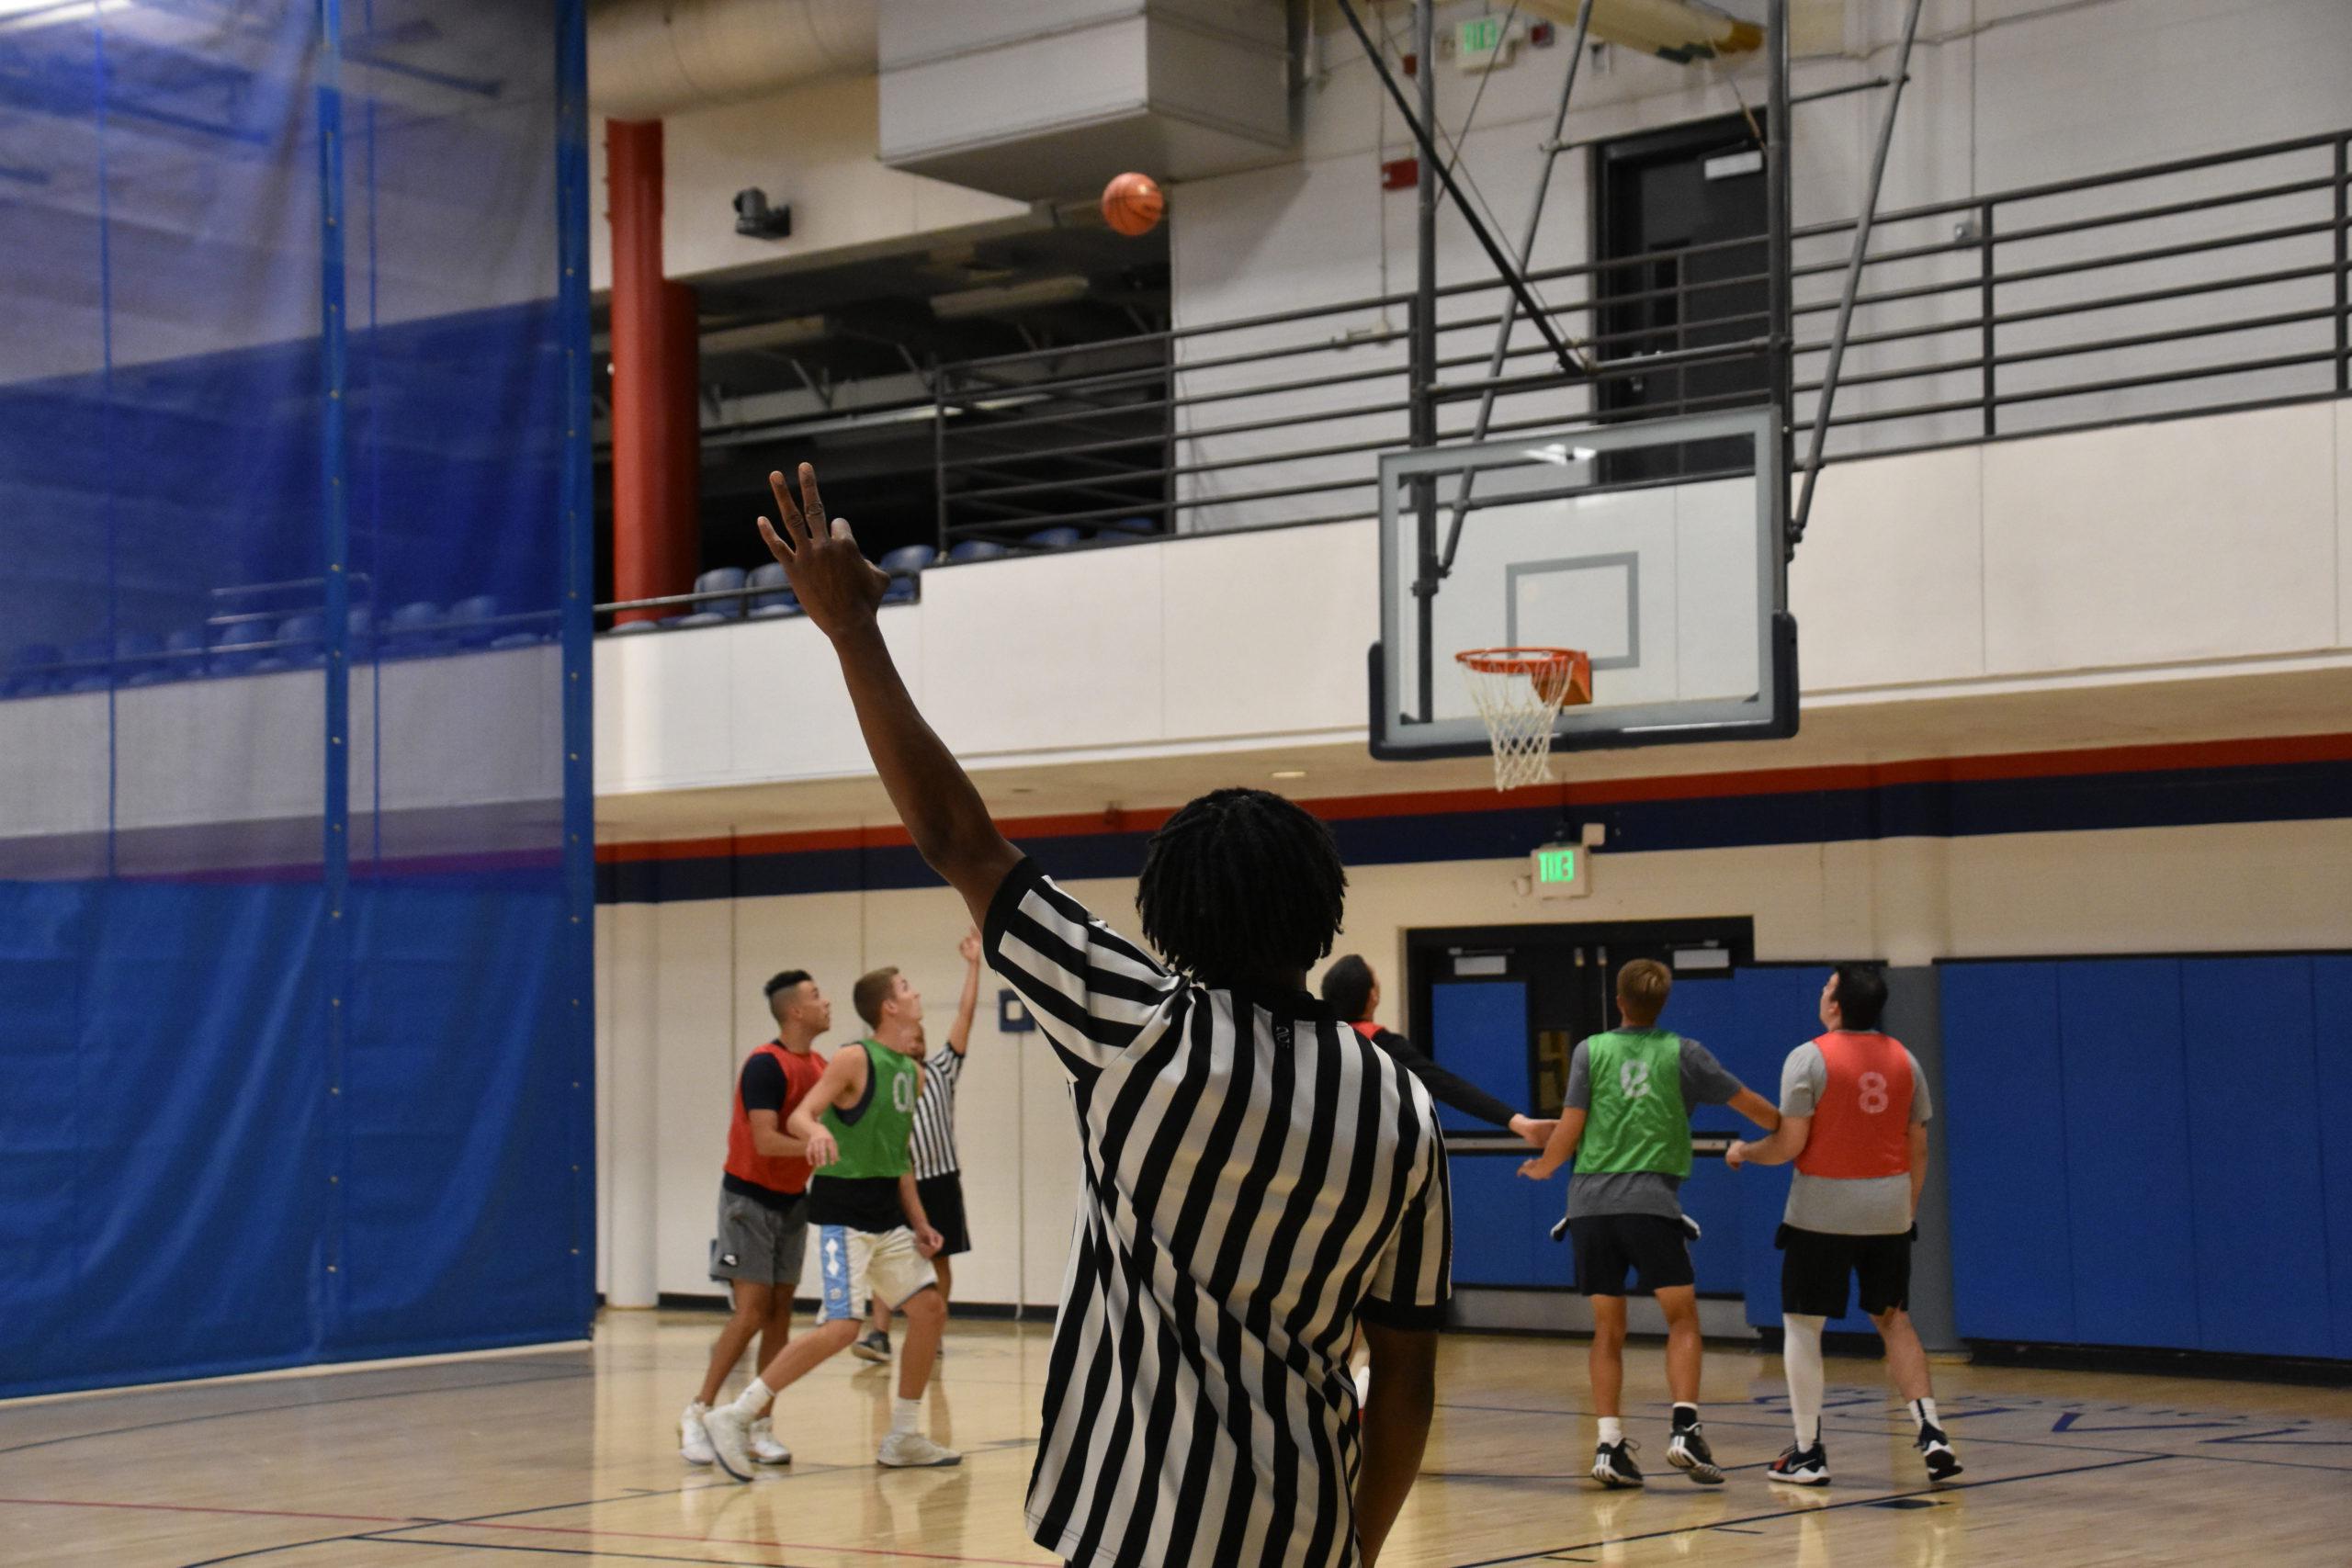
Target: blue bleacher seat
(631, 629)
(182, 659)
(472, 619)
(136, 661)
(1134, 527)
(239, 645)
(31, 669)
(299, 640)
(413, 628)
(89, 666)
(900, 591)
(1055, 538)
(771, 592)
(908, 561)
(977, 549)
(717, 611)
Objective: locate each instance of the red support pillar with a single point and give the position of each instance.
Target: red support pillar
(657, 415)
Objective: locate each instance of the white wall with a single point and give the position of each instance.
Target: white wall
(812, 147)
(249, 749)
(2194, 545)
(2003, 94)
(684, 1001)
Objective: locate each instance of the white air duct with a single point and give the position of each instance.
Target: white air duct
(652, 58)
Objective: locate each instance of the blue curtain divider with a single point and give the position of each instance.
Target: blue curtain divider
(296, 1055)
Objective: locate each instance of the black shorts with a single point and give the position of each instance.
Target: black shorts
(1816, 1266)
(1609, 1246)
(942, 1205)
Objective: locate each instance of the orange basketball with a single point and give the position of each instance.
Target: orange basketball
(1132, 204)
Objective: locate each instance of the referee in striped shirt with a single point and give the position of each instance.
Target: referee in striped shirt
(1261, 1181)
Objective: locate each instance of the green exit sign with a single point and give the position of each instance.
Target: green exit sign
(1561, 871)
(1481, 44)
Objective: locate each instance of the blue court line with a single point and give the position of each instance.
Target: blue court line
(1551, 1552)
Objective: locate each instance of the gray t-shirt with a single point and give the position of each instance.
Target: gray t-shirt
(1705, 1082)
(1874, 1205)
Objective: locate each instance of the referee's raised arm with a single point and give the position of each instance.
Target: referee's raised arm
(840, 591)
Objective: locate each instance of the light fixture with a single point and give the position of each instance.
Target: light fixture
(791, 333)
(1290, 772)
(1560, 452)
(25, 16)
(1007, 298)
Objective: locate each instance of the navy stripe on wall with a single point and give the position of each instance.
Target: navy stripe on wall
(2282, 791)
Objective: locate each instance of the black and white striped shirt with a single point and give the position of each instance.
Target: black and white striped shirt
(934, 1134)
(1258, 1178)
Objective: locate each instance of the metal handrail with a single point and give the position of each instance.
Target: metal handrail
(1053, 436)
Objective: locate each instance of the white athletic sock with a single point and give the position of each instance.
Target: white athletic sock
(754, 1402)
(1923, 1411)
(1801, 1355)
(1612, 1431)
(906, 1415)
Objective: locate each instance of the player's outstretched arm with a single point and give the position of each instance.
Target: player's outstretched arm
(1786, 1142)
(959, 1033)
(1757, 1108)
(1560, 1149)
(840, 591)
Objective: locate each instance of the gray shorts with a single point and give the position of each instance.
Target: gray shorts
(758, 1245)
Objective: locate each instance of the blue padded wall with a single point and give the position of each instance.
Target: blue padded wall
(2127, 1152)
(2143, 1152)
(2260, 1195)
(1501, 1221)
(2331, 1013)
(2004, 1116)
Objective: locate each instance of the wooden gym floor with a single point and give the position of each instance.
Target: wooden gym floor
(570, 1455)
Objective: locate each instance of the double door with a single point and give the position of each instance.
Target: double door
(1504, 1007)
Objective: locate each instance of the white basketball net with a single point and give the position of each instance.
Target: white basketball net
(1519, 693)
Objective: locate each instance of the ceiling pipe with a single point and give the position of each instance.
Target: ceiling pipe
(648, 58)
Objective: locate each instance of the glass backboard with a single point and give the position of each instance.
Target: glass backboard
(1655, 548)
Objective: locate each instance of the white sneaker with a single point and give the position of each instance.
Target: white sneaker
(694, 1442)
(912, 1451)
(765, 1450)
(730, 1433)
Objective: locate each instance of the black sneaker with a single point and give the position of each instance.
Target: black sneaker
(1687, 1451)
(1936, 1449)
(1803, 1467)
(875, 1346)
(1614, 1466)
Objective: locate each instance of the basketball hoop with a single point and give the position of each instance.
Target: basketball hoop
(1518, 691)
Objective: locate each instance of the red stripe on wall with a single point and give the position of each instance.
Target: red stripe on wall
(2158, 758)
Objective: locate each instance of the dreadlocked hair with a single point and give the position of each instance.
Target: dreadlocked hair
(1241, 884)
